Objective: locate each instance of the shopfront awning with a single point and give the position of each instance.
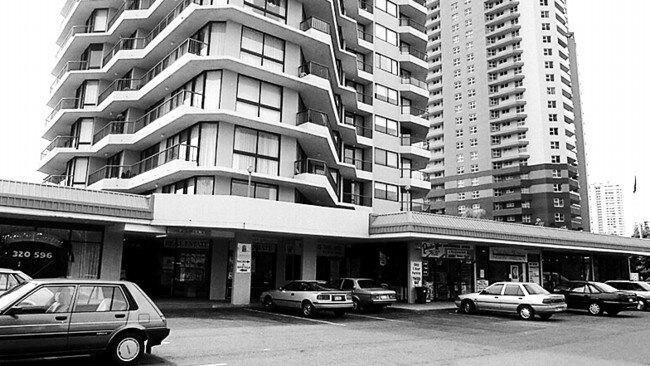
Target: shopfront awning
(422, 225)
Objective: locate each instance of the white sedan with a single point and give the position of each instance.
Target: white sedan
(309, 296)
(523, 299)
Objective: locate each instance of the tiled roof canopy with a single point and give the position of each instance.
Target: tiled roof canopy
(418, 223)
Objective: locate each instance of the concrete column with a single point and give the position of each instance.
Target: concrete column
(241, 281)
(308, 265)
(280, 263)
(414, 254)
(112, 247)
(219, 269)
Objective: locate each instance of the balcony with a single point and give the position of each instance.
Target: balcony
(412, 111)
(359, 164)
(407, 22)
(58, 142)
(69, 66)
(77, 29)
(357, 199)
(189, 46)
(407, 50)
(57, 180)
(315, 23)
(366, 5)
(315, 167)
(413, 81)
(314, 68)
(364, 98)
(419, 205)
(362, 131)
(364, 66)
(177, 152)
(124, 44)
(364, 36)
(64, 103)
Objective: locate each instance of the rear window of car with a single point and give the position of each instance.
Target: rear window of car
(535, 289)
(368, 284)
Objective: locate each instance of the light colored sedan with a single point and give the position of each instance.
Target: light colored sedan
(366, 293)
(10, 278)
(309, 296)
(523, 299)
(639, 288)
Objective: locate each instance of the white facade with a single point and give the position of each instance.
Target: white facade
(607, 209)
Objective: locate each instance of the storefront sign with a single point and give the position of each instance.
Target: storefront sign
(185, 231)
(330, 250)
(634, 276)
(533, 272)
(481, 285)
(193, 244)
(31, 236)
(264, 247)
(294, 248)
(508, 255)
(416, 273)
(432, 250)
(244, 258)
(457, 253)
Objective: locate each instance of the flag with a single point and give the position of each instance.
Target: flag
(634, 191)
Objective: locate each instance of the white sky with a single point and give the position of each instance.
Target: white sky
(613, 58)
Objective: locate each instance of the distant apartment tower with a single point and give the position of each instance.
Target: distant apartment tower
(312, 102)
(505, 126)
(608, 213)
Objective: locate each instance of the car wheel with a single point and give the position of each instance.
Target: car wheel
(356, 305)
(526, 312)
(641, 305)
(468, 307)
(339, 313)
(308, 309)
(268, 304)
(546, 316)
(595, 309)
(126, 348)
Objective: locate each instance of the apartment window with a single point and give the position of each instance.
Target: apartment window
(546, 39)
(459, 133)
(468, 11)
(472, 117)
(555, 145)
(546, 26)
(457, 84)
(553, 131)
(454, 6)
(385, 125)
(454, 17)
(472, 105)
(470, 46)
(550, 77)
(457, 61)
(558, 202)
(557, 188)
(470, 57)
(474, 168)
(461, 196)
(262, 49)
(471, 80)
(461, 208)
(457, 73)
(469, 33)
(274, 9)
(471, 93)
(257, 190)
(473, 142)
(455, 39)
(551, 104)
(458, 108)
(552, 117)
(386, 158)
(459, 120)
(460, 183)
(548, 52)
(555, 159)
(555, 173)
(460, 158)
(525, 204)
(259, 99)
(543, 2)
(476, 194)
(559, 217)
(387, 7)
(459, 145)
(473, 130)
(473, 155)
(470, 69)
(385, 191)
(387, 64)
(455, 50)
(474, 182)
(458, 96)
(468, 23)
(460, 170)
(454, 28)
(387, 95)
(385, 34)
(548, 64)
(550, 90)
(257, 149)
(545, 14)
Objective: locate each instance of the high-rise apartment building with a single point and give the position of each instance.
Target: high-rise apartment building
(506, 131)
(312, 102)
(607, 209)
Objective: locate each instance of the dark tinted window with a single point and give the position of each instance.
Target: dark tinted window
(513, 290)
(292, 286)
(347, 285)
(494, 290)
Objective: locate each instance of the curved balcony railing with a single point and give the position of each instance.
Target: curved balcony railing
(114, 128)
(364, 36)
(365, 98)
(69, 66)
(57, 180)
(64, 103)
(314, 68)
(312, 116)
(407, 22)
(357, 199)
(413, 174)
(170, 17)
(137, 43)
(415, 82)
(188, 46)
(366, 5)
(59, 141)
(408, 50)
(315, 23)
(364, 66)
(183, 97)
(408, 140)
(313, 166)
(413, 111)
(184, 152)
(129, 5)
(76, 29)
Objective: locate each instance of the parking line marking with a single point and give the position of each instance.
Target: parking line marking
(375, 317)
(297, 317)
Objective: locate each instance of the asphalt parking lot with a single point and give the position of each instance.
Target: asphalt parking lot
(251, 336)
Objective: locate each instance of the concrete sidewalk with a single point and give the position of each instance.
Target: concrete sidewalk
(197, 304)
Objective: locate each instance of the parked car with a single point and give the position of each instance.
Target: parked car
(523, 299)
(596, 297)
(639, 288)
(61, 317)
(10, 278)
(309, 296)
(366, 293)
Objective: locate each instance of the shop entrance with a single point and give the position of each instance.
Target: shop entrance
(447, 278)
(263, 268)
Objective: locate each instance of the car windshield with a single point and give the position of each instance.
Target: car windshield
(604, 287)
(644, 285)
(15, 293)
(368, 284)
(535, 289)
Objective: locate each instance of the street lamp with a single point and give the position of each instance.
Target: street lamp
(250, 173)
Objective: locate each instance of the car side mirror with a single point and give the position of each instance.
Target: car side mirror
(15, 310)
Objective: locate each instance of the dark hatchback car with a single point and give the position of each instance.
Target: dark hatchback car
(596, 297)
(61, 317)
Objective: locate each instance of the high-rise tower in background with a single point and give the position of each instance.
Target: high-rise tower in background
(506, 130)
(607, 210)
(313, 102)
